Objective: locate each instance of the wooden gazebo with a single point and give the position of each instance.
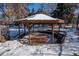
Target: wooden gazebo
(39, 19)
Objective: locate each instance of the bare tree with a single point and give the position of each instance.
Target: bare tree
(3, 10)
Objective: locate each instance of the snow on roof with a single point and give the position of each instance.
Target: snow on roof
(40, 17)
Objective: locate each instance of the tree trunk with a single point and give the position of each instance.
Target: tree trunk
(77, 22)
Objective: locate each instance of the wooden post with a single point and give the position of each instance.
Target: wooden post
(29, 29)
(24, 30)
(9, 32)
(52, 35)
(59, 27)
(33, 28)
(19, 29)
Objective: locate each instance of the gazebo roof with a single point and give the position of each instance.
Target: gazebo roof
(39, 17)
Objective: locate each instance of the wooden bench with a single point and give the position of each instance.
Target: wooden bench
(36, 39)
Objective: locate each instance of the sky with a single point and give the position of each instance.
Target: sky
(36, 6)
(46, 7)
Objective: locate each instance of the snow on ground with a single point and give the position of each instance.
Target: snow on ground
(71, 44)
(68, 48)
(14, 48)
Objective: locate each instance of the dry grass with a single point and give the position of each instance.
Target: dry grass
(2, 39)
